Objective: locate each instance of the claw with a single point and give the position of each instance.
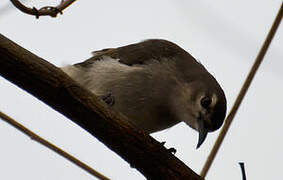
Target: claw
(108, 99)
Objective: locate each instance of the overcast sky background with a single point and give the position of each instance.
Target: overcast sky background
(224, 35)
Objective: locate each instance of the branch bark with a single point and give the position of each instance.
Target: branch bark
(52, 86)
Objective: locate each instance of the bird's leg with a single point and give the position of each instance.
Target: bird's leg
(171, 150)
(109, 99)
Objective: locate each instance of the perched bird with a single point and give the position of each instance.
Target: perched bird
(156, 84)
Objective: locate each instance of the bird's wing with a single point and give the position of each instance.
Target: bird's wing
(139, 53)
(154, 49)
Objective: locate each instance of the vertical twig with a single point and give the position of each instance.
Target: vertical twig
(242, 93)
(242, 166)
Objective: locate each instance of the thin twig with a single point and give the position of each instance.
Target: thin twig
(44, 11)
(51, 146)
(242, 93)
(242, 166)
(6, 8)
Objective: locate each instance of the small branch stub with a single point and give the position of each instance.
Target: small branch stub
(242, 165)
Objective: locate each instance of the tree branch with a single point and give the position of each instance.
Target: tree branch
(242, 93)
(44, 11)
(52, 86)
(51, 146)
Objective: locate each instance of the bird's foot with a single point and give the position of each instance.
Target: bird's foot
(171, 150)
(109, 99)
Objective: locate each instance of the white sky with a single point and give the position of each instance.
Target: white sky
(224, 35)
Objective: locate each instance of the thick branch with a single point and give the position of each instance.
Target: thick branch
(49, 84)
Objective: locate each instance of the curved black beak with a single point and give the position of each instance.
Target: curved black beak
(202, 132)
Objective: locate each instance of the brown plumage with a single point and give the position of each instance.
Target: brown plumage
(156, 84)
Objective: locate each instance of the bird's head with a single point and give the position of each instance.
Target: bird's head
(201, 105)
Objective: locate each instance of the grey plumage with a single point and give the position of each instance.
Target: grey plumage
(156, 84)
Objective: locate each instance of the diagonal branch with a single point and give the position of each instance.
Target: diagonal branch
(44, 11)
(51, 146)
(242, 92)
(52, 86)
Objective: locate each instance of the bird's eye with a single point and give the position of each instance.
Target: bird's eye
(205, 102)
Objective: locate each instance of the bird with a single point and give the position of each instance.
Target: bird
(156, 84)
